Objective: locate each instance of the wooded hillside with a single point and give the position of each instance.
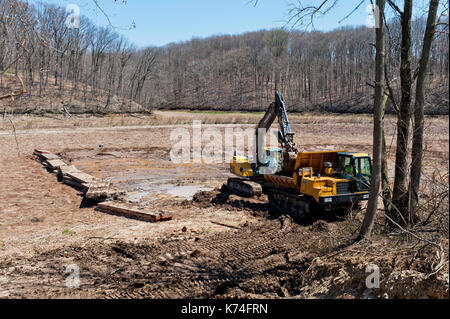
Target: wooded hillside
(315, 70)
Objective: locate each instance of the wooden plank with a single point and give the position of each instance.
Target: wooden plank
(49, 157)
(70, 182)
(40, 152)
(101, 190)
(45, 164)
(55, 164)
(81, 177)
(99, 184)
(101, 194)
(48, 166)
(127, 210)
(64, 170)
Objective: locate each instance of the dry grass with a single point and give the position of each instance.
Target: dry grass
(51, 121)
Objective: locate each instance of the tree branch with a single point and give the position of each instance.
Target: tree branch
(13, 95)
(395, 7)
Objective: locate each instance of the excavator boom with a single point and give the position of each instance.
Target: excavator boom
(277, 110)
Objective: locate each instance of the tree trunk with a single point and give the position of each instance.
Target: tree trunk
(385, 184)
(400, 201)
(417, 150)
(372, 205)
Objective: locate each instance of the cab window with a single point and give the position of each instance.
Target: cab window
(363, 173)
(363, 167)
(344, 165)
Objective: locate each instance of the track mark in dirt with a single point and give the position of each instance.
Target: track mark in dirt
(172, 268)
(197, 269)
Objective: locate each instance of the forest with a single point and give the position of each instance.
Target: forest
(94, 69)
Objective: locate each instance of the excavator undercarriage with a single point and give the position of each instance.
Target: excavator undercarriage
(297, 206)
(244, 187)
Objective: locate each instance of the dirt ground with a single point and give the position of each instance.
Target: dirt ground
(216, 245)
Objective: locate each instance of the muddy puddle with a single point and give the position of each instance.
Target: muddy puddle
(152, 192)
(148, 175)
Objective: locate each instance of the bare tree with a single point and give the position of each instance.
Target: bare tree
(417, 149)
(372, 205)
(400, 210)
(406, 184)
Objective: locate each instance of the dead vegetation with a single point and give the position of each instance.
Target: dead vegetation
(60, 102)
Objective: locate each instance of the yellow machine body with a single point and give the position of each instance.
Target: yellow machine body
(311, 177)
(241, 166)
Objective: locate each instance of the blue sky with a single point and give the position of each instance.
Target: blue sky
(159, 22)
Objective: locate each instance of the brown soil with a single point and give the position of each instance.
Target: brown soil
(217, 245)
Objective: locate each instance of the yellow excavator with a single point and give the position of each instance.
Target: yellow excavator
(300, 183)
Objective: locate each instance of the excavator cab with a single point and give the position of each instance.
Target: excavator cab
(272, 163)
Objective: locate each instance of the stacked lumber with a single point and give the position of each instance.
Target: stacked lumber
(72, 176)
(49, 160)
(38, 152)
(94, 188)
(125, 209)
(100, 190)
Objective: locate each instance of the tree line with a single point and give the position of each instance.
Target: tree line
(327, 71)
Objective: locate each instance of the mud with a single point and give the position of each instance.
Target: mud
(218, 245)
(266, 259)
(222, 197)
(146, 174)
(188, 267)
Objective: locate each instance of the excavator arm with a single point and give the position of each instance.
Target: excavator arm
(277, 110)
(285, 135)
